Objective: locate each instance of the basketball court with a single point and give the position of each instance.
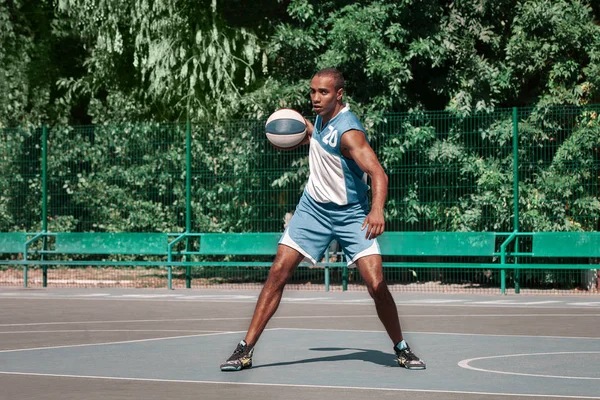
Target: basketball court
(153, 344)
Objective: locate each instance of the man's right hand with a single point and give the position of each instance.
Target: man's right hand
(309, 131)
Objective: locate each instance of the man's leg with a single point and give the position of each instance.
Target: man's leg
(371, 271)
(286, 261)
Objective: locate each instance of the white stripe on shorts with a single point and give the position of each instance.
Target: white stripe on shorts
(288, 241)
(373, 249)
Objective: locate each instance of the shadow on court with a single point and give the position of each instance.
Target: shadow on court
(371, 356)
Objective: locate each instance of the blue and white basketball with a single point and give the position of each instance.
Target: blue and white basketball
(286, 129)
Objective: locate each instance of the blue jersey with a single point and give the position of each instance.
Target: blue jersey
(333, 177)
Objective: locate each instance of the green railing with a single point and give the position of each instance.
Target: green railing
(512, 170)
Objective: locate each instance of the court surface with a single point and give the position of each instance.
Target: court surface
(156, 344)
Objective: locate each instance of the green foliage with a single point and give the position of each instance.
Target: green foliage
(20, 180)
(114, 63)
(74, 61)
(160, 60)
(446, 172)
(117, 178)
(465, 57)
(551, 46)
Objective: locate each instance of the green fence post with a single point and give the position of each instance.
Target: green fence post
(44, 200)
(326, 271)
(345, 278)
(188, 197)
(25, 265)
(170, 277)
(515, 117)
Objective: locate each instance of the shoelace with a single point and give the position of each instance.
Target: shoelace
(239, 351)
(409, 355)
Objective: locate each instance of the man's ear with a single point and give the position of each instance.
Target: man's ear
(340, 93)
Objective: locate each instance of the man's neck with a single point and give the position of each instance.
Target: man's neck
(336, 111)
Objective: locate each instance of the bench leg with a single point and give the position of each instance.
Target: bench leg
(170, 277)
(326, 278)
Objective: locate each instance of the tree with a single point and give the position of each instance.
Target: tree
(161, 60)
(461, 56)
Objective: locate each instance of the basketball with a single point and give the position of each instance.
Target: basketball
(285, 129)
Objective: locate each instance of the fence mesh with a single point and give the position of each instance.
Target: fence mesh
(447, 172)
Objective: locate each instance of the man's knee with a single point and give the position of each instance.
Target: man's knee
(279, 274)
(378, 290)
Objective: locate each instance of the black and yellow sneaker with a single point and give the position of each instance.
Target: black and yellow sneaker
(240, 359)
(406, 358)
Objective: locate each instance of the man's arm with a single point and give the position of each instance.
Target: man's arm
(355, 146)
(309, 131)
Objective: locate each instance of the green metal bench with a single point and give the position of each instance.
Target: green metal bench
(392, 244)
(16, 243)
(580, 246)
(555, 245)
(125, 243)
(438, 243)
(577, 245)
(92, 243)
(12, 242)
(224, 244)
(239, 243)
(130, 243)
(566, 244)
(481, 244)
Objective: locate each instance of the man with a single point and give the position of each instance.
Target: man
(334, 205)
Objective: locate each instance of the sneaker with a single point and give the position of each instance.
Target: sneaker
(408, 359)
(240, 359)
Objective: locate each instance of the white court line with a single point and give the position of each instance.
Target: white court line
(185, 320)
(533, 303)
(285, 385)
(218, 297)
(370, 301)
(434, 301)
(465, 364)
(441, 333)
(353, 302)
(299, 299)
(288, 329)
(293, 385)
(148, 296)
(516, 302)
(113, 330)
(492, 302)
(123, 342)
(374, 315)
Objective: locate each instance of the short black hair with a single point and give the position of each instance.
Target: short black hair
(338, 78)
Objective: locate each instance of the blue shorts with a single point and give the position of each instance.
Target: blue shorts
(314, 225)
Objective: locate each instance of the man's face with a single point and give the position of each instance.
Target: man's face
(323, 95)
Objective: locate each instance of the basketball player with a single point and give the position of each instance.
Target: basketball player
(334, 205)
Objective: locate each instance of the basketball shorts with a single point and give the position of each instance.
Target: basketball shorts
(314, 225)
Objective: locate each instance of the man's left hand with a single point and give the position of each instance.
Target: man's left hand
(375, 224)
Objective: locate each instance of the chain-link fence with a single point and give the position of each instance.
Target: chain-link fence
(447, 172)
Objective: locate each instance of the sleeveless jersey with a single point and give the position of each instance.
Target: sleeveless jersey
(334, 178)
